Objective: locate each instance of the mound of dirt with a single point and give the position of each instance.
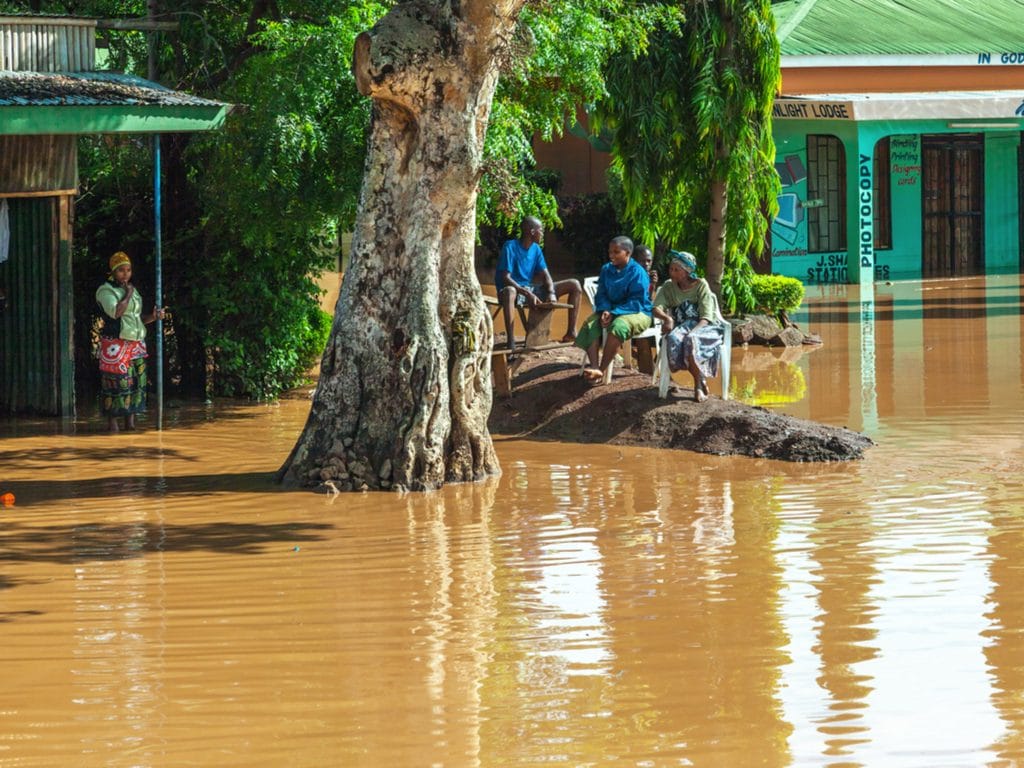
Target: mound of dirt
(552, 402)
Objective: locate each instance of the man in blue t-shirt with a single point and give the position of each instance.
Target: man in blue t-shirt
(522, 279)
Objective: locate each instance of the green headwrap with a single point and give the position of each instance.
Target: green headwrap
(686, 259)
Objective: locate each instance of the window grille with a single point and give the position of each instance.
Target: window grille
(826, 186)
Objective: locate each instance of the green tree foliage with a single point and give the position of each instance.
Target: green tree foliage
(253, 213)
(692, 112)
(277, 188)
(557, 64)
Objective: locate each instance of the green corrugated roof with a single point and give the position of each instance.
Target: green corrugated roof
(887, 27)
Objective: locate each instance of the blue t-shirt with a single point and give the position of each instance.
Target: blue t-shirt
(623, 291)
(521, 263)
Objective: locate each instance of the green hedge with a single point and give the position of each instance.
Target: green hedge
(774, 294)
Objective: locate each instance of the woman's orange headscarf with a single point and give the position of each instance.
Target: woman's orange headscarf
(118, 259)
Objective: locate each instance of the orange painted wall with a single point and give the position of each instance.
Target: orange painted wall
(582, 167)
(900, 79)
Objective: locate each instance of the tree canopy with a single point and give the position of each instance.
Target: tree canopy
(254, 212)
(692, 131)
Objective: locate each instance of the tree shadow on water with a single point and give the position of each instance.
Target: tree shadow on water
(48, 457)
(89, 542)
(30, 493)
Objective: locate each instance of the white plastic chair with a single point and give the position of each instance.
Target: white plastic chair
(654, 332)
(663, 376)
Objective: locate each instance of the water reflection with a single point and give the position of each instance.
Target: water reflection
(768, 377)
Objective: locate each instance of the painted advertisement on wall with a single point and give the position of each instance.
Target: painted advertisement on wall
(789, 228)
(902, 258)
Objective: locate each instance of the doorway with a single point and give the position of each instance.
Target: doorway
(952, 205)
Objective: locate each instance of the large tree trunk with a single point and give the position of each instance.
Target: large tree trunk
(405, 388)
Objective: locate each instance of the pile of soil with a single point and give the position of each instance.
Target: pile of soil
(550, 401)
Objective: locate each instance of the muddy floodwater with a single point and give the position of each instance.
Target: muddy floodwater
(162, 603)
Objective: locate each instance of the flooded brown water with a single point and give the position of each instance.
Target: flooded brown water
(162, 603)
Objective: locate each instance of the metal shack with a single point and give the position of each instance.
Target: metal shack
(49, 96)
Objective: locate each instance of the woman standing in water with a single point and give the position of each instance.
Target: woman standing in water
(122, 344)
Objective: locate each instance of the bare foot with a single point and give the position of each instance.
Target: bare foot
(700, 392)
(568, 338)
(593, 374)
(112, 425)
(129, 423)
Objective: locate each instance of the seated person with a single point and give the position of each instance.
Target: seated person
(646, 259)
(522, 279)
(686, 307)
(622, 305)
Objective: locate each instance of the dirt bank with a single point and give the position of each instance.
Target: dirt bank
(552, 402)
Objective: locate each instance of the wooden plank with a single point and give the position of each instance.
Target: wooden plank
(501, 376)
(48, 193)
(538, 324)
(505, 352)
(503, 370)
(644, 349)
(65, 309)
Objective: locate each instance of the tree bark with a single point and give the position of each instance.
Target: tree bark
(405, 387)
(720, 171)
(716, 234)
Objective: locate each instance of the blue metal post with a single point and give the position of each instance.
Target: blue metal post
(158, 254)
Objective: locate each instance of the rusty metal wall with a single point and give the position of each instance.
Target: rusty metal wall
(32, 164)
(28, 333)
(47, 45)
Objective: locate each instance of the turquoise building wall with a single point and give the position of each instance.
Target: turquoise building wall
(861, 262)
(1002, 202)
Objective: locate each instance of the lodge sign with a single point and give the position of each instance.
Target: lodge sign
(800, 109)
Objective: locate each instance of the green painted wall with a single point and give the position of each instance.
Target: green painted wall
(28, 336)
(903, 260)
(1002, 217)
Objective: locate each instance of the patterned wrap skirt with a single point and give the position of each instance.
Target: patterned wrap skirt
(682, 341)
(122, 377)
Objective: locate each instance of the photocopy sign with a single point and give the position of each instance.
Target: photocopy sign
(801, 109)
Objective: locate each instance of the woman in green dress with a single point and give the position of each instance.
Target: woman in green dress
(122, 344)
(686, 307)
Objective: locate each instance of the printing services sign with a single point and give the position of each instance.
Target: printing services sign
(802, 109)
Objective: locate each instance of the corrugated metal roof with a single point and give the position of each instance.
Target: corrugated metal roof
(880, 27)
(89, 89)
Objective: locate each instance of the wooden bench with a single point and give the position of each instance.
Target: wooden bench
(538, 339)
(502, 369)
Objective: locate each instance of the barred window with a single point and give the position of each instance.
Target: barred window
(826, 187)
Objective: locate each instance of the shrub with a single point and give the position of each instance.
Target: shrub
(776, 295)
